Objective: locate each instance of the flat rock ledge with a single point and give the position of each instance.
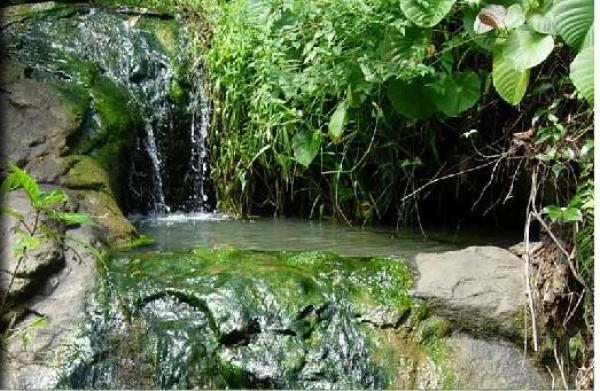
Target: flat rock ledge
(479, 289)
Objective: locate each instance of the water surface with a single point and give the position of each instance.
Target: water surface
(178, 232)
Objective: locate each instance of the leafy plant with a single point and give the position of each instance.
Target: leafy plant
(43, 226)
(524, 36)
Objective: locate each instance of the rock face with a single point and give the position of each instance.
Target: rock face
(44, 124)
(480, 289)
(227, 318)
(246, 319)
(491, 364)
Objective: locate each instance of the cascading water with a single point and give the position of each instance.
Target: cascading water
(146, 56)
(200, 114)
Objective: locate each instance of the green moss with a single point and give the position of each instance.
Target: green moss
(86, 173)
(140, 241)
(176, 93)
(108, 216)
(429, 335)
(164, 34)
(76, 97)
(112, 105)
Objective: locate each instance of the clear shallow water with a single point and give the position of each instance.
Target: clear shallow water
(178, 232)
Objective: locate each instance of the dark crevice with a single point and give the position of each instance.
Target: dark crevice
(241, 337)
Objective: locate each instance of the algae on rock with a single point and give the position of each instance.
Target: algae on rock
(231, 318)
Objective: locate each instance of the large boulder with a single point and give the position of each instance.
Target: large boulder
(479, 289)
(37, 124)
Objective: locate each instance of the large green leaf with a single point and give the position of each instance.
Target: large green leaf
(573, 19)
(338, 121)
(457, 93)
(306, 146)
(582, 74)
(515, 17)
(526, 49)
(510, 83)
(413, 100)
(426, 13)
(589, 38)
(19, 178)
(541, 22)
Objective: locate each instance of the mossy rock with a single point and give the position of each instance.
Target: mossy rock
(86, 173)
(76, 98)
(231, 318)
(116, 230)
(111, 103)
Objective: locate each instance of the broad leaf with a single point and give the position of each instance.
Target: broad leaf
(426, 13)
(306, 146)
(526, 49)
(457, 93)
(582, 74)
(515, 17)
(541, 23)
(572, 20)
(553, 211)
(510, 83)
(589, 39)
(572, 214)
(17, 179)
(413, 100)
(338, 121)
(489, 18)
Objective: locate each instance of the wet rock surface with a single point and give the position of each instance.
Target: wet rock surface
(227, 318)
(246, 319)
(481, 289)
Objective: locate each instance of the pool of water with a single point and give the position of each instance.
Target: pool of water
(178, 232)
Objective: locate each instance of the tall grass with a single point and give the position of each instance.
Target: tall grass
(280, 70)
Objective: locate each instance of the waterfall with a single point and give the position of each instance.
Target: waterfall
(200, 111)
(145, 55)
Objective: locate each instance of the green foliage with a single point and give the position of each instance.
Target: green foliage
(510, 83)
(403, 96)
(525, 49)
(456, 93)
(338, 121)
(295, 79)
(306, 147)
(582, 73)
(426, 13)
(521, 37)
(31, 232)
(300, 82)
(573, 20)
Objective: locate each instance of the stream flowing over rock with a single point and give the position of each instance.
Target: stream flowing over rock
(147, 105)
